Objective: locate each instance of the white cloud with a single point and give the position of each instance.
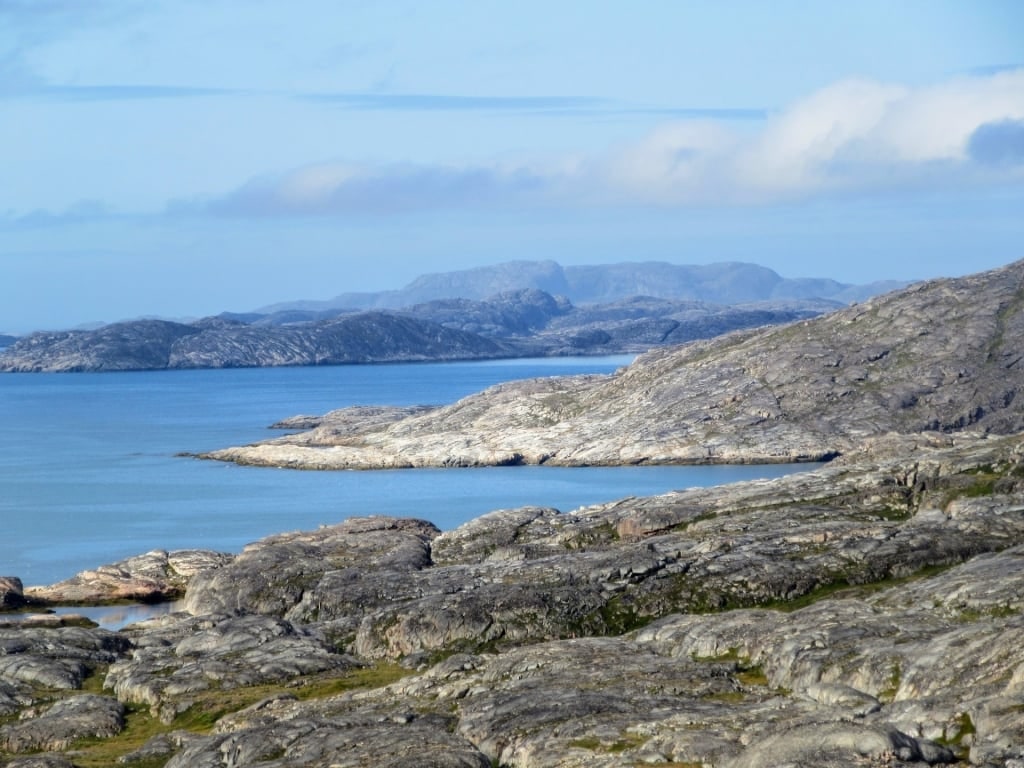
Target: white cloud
(312, 184)
(798, 146)
(854, 135)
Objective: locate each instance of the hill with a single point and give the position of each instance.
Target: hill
(941, 356)
(512, 324)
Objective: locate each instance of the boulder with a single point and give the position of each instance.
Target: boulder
(11, 593)
(155, 576)
(68, 720)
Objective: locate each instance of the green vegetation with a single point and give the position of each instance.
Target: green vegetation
(744, 673)
(888, 694)
(621, 744)
(616, 617)
(619, 618)
(968, 615)
(210, 706)
(601, 534)
(961, 728)
(843, 586)
(893, 512)
(752, 675)
(731, 655)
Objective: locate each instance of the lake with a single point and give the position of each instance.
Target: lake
(89, 472)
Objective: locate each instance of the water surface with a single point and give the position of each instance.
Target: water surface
(89, 472)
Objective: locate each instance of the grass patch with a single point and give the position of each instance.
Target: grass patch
(684, 524)
(888, 694)
(731, 655)
(597, 535)
(620, 618)
(843, 588)
(752, 675)
(376, 676)
(725, 697)
(610, 619)
(621, 744)
(961, 728)
(93, 682)
(984, 486)
(140, 726)
(745, 673)
(837, 588)
(210, 706)
(893, 512)
(968, 615)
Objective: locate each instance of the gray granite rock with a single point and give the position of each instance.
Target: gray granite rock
(68, 720)
(57, 658)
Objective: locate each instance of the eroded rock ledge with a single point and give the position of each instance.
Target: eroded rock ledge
(866, 613)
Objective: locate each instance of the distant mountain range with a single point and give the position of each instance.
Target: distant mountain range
(454, 324)
(721, 283)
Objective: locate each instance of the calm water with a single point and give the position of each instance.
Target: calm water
(88, 472)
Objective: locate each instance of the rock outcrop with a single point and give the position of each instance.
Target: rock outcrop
(865, 613)
(156, 576)
(940, 356)
(12, 593)
(65, 722)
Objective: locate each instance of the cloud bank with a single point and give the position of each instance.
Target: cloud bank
(854, 136)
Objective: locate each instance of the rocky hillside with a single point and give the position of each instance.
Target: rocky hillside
(865, 614)
(371, 337)
(514, 324)
(939, 356)
(720, 283)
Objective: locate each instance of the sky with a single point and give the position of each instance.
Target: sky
(179, 158)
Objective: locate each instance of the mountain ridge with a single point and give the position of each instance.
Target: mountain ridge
(720, 283)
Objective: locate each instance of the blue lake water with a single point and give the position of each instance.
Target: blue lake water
(89, 475)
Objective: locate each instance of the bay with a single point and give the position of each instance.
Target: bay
(89, 471)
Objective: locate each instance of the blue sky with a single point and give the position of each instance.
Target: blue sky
(179, 158)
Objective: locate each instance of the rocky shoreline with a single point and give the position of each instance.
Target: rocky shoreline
(865, 613)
